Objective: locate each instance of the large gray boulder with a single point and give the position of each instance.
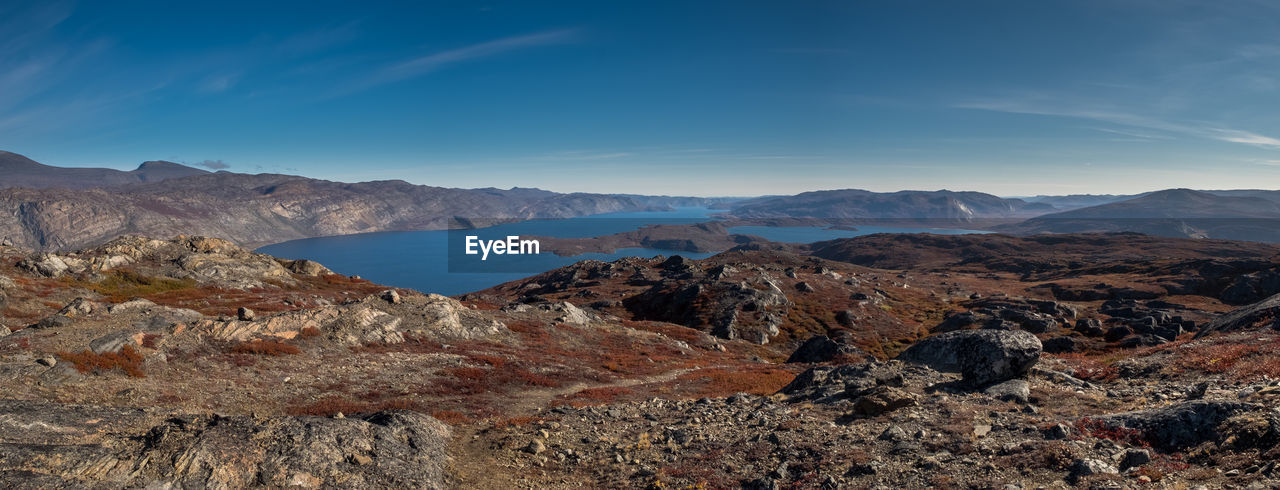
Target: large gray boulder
(983, 357)
(1190, 423)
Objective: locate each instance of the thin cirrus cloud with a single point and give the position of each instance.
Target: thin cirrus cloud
(214, 164)
(1206, 131)
(425, 64)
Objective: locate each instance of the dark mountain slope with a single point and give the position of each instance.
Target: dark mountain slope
(1174, 213)
(19, 171)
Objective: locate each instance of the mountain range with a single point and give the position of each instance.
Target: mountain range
(1239, 215)
(56, 208)
(854, 204)
(254, 210)
(20, 171)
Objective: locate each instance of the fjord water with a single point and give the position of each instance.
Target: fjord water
(422, 260)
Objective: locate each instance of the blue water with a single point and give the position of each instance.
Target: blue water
(421, 259)
(430, 261)
(810, 234)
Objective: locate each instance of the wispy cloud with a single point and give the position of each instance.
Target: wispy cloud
(218, 83)
(1170, 127)
(214, 164)
(816, 51)
(422, 65)
(587, 155)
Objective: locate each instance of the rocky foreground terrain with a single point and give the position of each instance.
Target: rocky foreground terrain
(889, 361)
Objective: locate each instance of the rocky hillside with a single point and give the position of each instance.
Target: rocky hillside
(254, 210)
(192, 362)
(1233, 215)
(19, 171)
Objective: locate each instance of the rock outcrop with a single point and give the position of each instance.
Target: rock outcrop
(54, 445)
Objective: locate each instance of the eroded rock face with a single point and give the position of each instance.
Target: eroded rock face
(57, 445)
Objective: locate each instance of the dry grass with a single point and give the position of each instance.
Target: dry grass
(123, 285)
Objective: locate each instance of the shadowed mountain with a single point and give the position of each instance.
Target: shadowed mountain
(1236, 215)
(944, 207)
(19, 171)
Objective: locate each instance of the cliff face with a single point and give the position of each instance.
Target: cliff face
(254, 210)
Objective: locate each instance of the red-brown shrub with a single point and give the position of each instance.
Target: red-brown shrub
(265, 347)
(149, 340)
(1102, 430)
(127, 360)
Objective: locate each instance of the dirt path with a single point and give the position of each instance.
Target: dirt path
(474, 463)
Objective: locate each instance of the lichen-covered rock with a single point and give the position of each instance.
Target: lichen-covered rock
(1189, 423)
(55, 445)
(982, 356)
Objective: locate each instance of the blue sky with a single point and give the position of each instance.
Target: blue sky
(691, 98)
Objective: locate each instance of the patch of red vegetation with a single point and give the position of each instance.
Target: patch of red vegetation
(451, 417)
(1088, 367)
(1244, 359)
(753, 379)
(1102, 430)
(149, 340)
(265, 348)
(127, 360)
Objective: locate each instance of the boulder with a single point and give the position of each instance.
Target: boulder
(881, 400)
(305, 267)
(1117, 332)
(1091, 466)
(846, 318)
(113, 342)
(982, 356)
(1090, 327)
(53, 321)
(391, 296)
(1014, 390)
(1061, 345)
(821, 348)
(1192, 422)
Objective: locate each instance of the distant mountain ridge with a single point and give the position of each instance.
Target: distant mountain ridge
(1235, 215)
(19, 171)
(855, 204)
